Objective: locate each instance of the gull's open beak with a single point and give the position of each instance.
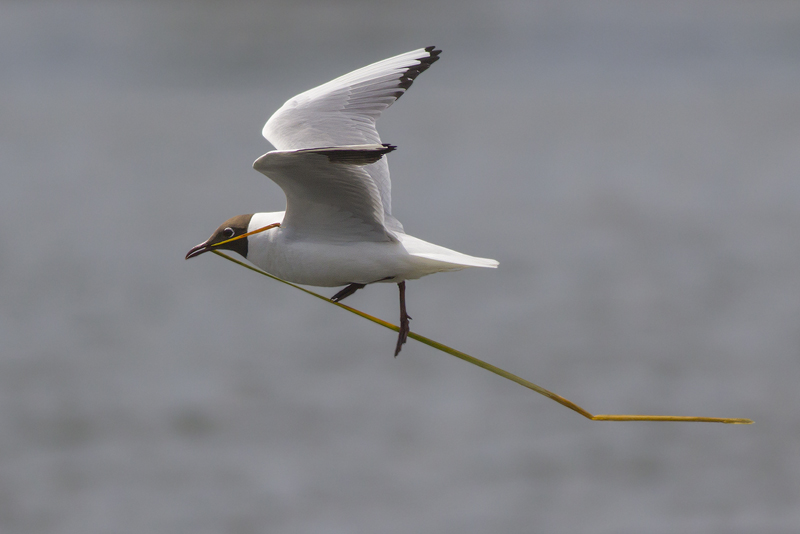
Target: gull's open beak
(199, 249)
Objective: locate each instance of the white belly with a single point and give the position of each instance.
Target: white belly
(328, 264)
(334, 264)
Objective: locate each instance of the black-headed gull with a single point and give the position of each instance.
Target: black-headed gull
(338, 228)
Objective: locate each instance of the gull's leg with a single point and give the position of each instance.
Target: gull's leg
(347, 291)
(404, 318)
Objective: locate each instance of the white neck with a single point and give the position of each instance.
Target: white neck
(260, 220)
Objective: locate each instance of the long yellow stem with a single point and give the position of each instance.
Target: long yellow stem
(496, 370)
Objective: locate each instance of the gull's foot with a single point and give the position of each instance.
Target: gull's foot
(404, 318)
(403, 334)
(347, 291)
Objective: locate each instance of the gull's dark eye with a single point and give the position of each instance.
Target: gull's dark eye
(228, 232)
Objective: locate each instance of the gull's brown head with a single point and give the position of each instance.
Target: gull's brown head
(231, 235)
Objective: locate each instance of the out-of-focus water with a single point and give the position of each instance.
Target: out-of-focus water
(634, 167)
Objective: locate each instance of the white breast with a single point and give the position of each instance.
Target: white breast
(331, 264)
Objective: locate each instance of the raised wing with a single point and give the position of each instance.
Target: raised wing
(329, 195)
(343, 112)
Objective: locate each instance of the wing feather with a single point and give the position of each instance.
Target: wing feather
(343, 112)
(329, 195)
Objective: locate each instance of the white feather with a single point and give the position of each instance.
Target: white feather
(343, 112)
(337, 228)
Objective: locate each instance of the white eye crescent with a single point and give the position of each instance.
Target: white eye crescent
(228, 232)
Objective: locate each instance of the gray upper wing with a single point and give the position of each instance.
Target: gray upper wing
(329, 195)
(343, 112)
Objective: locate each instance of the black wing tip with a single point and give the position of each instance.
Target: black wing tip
(357, 156)
(412, 72)
(434, 53)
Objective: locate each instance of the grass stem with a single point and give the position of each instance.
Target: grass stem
(496, 370)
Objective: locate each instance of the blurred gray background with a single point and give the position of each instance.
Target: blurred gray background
(632, 165)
